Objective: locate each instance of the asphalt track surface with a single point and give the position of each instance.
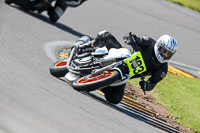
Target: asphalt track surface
(32, 101)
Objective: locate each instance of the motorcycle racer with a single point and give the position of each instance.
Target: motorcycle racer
(60, 7)
(54, 11)
(156, 54)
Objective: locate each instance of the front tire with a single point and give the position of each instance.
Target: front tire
(58, 68)
(90, 83)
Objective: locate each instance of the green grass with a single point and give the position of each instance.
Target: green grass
(181, 97)
(193, 4)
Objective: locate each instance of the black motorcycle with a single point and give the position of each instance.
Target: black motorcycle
(31, 5)
(54, 12)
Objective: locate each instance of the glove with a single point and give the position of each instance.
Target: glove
(81, 44)
(147, 85)
(128, 37)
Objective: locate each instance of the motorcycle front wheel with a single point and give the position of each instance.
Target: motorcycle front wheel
(93, 82)
(58, 68)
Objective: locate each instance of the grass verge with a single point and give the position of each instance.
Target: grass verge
(193, 4)
(181, 97)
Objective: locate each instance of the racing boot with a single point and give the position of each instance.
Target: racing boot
(52, 14)
(56, 12)
(105, 38)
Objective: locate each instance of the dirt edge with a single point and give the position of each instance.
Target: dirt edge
(150, 103)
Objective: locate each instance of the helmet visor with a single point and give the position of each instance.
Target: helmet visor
(166, 54)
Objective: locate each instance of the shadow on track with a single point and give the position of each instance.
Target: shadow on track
(116, 107)
(130, 111)
(135, 113)
(57, 24)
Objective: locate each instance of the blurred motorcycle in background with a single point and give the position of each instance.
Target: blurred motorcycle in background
(31, 5)
(55, 8)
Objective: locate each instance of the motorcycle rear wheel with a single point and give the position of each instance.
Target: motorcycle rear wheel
(91, 83)
(58, 68)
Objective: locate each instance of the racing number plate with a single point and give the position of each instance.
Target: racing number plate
(135, 64)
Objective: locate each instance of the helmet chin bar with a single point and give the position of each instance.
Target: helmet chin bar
(160, 58)
(158, 54)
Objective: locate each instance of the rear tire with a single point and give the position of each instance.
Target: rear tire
(96, 82)
(58, 68)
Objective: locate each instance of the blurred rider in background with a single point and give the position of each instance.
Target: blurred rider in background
(156, 54)
(60, 7)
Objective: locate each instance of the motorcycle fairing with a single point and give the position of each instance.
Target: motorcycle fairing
(100, 51)
(118, 53)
